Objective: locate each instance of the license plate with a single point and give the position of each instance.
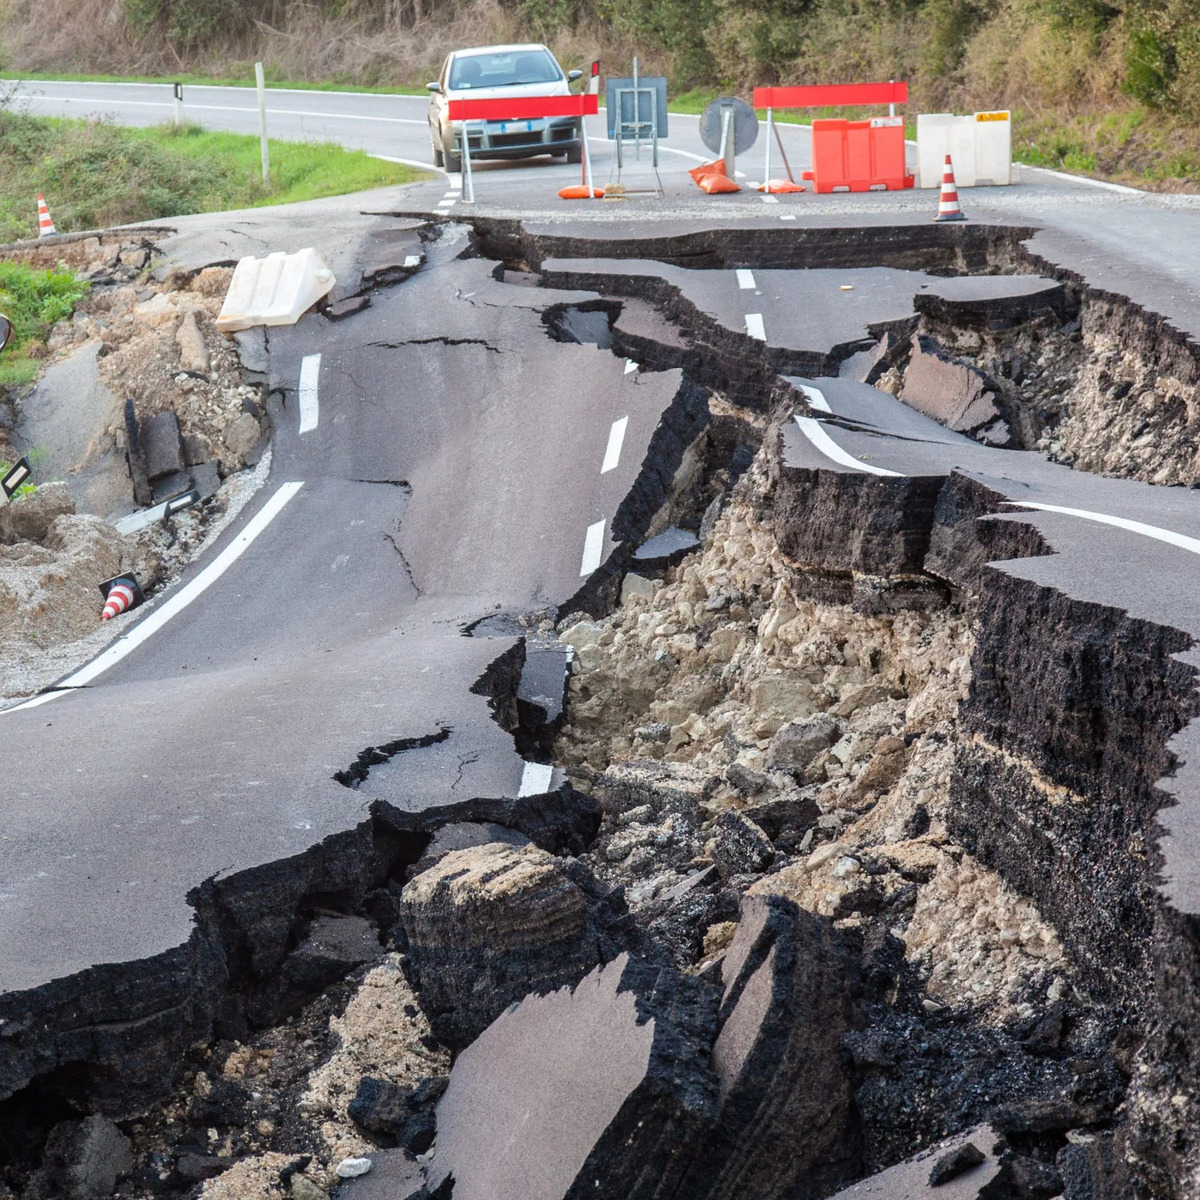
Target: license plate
(505, 124)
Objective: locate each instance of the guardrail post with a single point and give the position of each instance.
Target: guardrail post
(261, 84)
(178, 105)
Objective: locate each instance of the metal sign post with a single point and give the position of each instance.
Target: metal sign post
(637, 112)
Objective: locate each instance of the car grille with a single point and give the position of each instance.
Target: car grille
(499, 140)
(564, 133)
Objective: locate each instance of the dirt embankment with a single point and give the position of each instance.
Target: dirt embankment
(139, 359)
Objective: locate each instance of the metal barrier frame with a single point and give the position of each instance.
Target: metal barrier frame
(822, 96)
(522, 108)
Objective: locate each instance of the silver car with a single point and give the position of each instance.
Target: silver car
(490, 72)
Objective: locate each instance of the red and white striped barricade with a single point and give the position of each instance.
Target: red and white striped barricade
(522, 108)
(879, 131)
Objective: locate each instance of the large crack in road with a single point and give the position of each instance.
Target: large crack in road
(858, 833)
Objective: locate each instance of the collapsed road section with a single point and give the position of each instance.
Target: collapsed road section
(833, 866)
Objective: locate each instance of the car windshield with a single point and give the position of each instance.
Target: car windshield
(509, 68)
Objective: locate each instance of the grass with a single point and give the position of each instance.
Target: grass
(328, 85)
(96, 175)
(33, 300)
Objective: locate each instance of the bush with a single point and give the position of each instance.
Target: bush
(1150, 67)
(34, 301)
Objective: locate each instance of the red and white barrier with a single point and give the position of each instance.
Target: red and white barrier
(847, 155)
(523, 108)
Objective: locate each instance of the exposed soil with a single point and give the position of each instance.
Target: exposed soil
(756, 725)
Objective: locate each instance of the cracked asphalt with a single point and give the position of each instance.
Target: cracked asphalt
(213, 747)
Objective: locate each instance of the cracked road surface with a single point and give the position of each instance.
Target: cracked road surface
(213, 746)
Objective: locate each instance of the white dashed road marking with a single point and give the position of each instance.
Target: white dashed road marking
(754, 326)
(616, 438)
(745, 279)
(176, 603)
(593, 548)
(310, 412)
(630, 366)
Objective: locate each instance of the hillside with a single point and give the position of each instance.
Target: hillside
(1110, 87)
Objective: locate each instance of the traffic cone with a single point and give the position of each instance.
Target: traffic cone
(121, 594)
(948, 206)
(45, 222)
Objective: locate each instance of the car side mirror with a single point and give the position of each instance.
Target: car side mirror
(6, 330)
(434, 87)
(574, 75)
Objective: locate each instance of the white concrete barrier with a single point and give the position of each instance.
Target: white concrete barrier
(275, 290)
(980, 146)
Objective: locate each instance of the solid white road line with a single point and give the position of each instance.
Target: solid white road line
(686, 153)
(754, 326)
(310, 369)
(176, 603)
(616, 439)
(535, 779)
(410, 162)
(593, 548)
(1151, 531)
(745, 279)
(815, 432)
(238, 108)
(630, 366)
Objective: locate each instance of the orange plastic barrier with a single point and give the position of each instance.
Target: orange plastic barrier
(858, 156)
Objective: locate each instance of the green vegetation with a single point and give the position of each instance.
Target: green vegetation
(96, 175)
(33, 301)
(1068, 69)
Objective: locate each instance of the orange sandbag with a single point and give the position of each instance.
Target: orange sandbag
(716, 167)
(781, 185)
(715, 185)
(579, 191)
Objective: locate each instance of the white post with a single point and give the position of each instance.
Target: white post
(468, 178)
(260, 81)
(892, 106)
(178, 105)
(767, 168)
(587, 158)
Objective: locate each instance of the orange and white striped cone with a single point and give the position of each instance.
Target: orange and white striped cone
(121, 594)
(45, 223)
(948, 206)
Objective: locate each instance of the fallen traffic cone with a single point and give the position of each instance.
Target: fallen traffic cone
(948, 206)
(45, 223)
(121, 594)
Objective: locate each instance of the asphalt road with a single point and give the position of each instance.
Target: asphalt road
(458, 465)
